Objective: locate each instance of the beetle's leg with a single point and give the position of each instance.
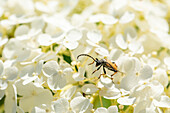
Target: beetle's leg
(102, 74)
(97, 69)
(91, 63)
(113, 75)
(104, 70)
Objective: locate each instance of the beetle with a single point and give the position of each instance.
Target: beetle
(103, 62)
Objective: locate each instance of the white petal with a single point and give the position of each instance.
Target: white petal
(38, 110)
(74, 35)
(134, 46)
(146, 72)
(23, 54)
(19, 110)
(41, 7)
(22, 30)
(127, 17)
(11, 73)
(105, 18)
(38, 23)
(153, 62)
(29, 79)
(161, 76)
(102, 51)
(3, 41)
(11, 47)
(120, 41)
(1, 11)
(2, 92)
(39, 66)
(11, 99)
(126, 100)
(94, 36)
(101, 110)
(113, 109)
(92, 43)
(80, 75)
(113, 93)
(115, 54)
(50, 68)
(67, 94)
(164, 102)
(118, 5)
(26, 71)
(128, 64)
(137, 64)
(3, 84)
(107, 82)
(70, 44)
(56, 81)
(1, 67)
(79, 104)
(167, 61)
(129, 81)
(157, 89)
(89, 89)
(140, 106)
(45, 40)
(61, 105)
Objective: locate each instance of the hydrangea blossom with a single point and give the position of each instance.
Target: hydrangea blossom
(40, 42)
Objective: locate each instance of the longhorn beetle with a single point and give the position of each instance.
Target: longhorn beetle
(103, 62)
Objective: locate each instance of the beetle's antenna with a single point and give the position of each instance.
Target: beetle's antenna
(86, 55)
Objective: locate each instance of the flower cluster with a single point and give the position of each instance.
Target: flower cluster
(41, 39)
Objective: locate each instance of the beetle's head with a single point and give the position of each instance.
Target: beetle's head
(97, 62)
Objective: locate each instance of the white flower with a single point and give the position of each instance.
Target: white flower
(57, 76)
(77, 104)
(7, 74)
(135, 73)
(16, 49)
(32, 95)
(72, 37)
(56, 81)
(148, 94)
